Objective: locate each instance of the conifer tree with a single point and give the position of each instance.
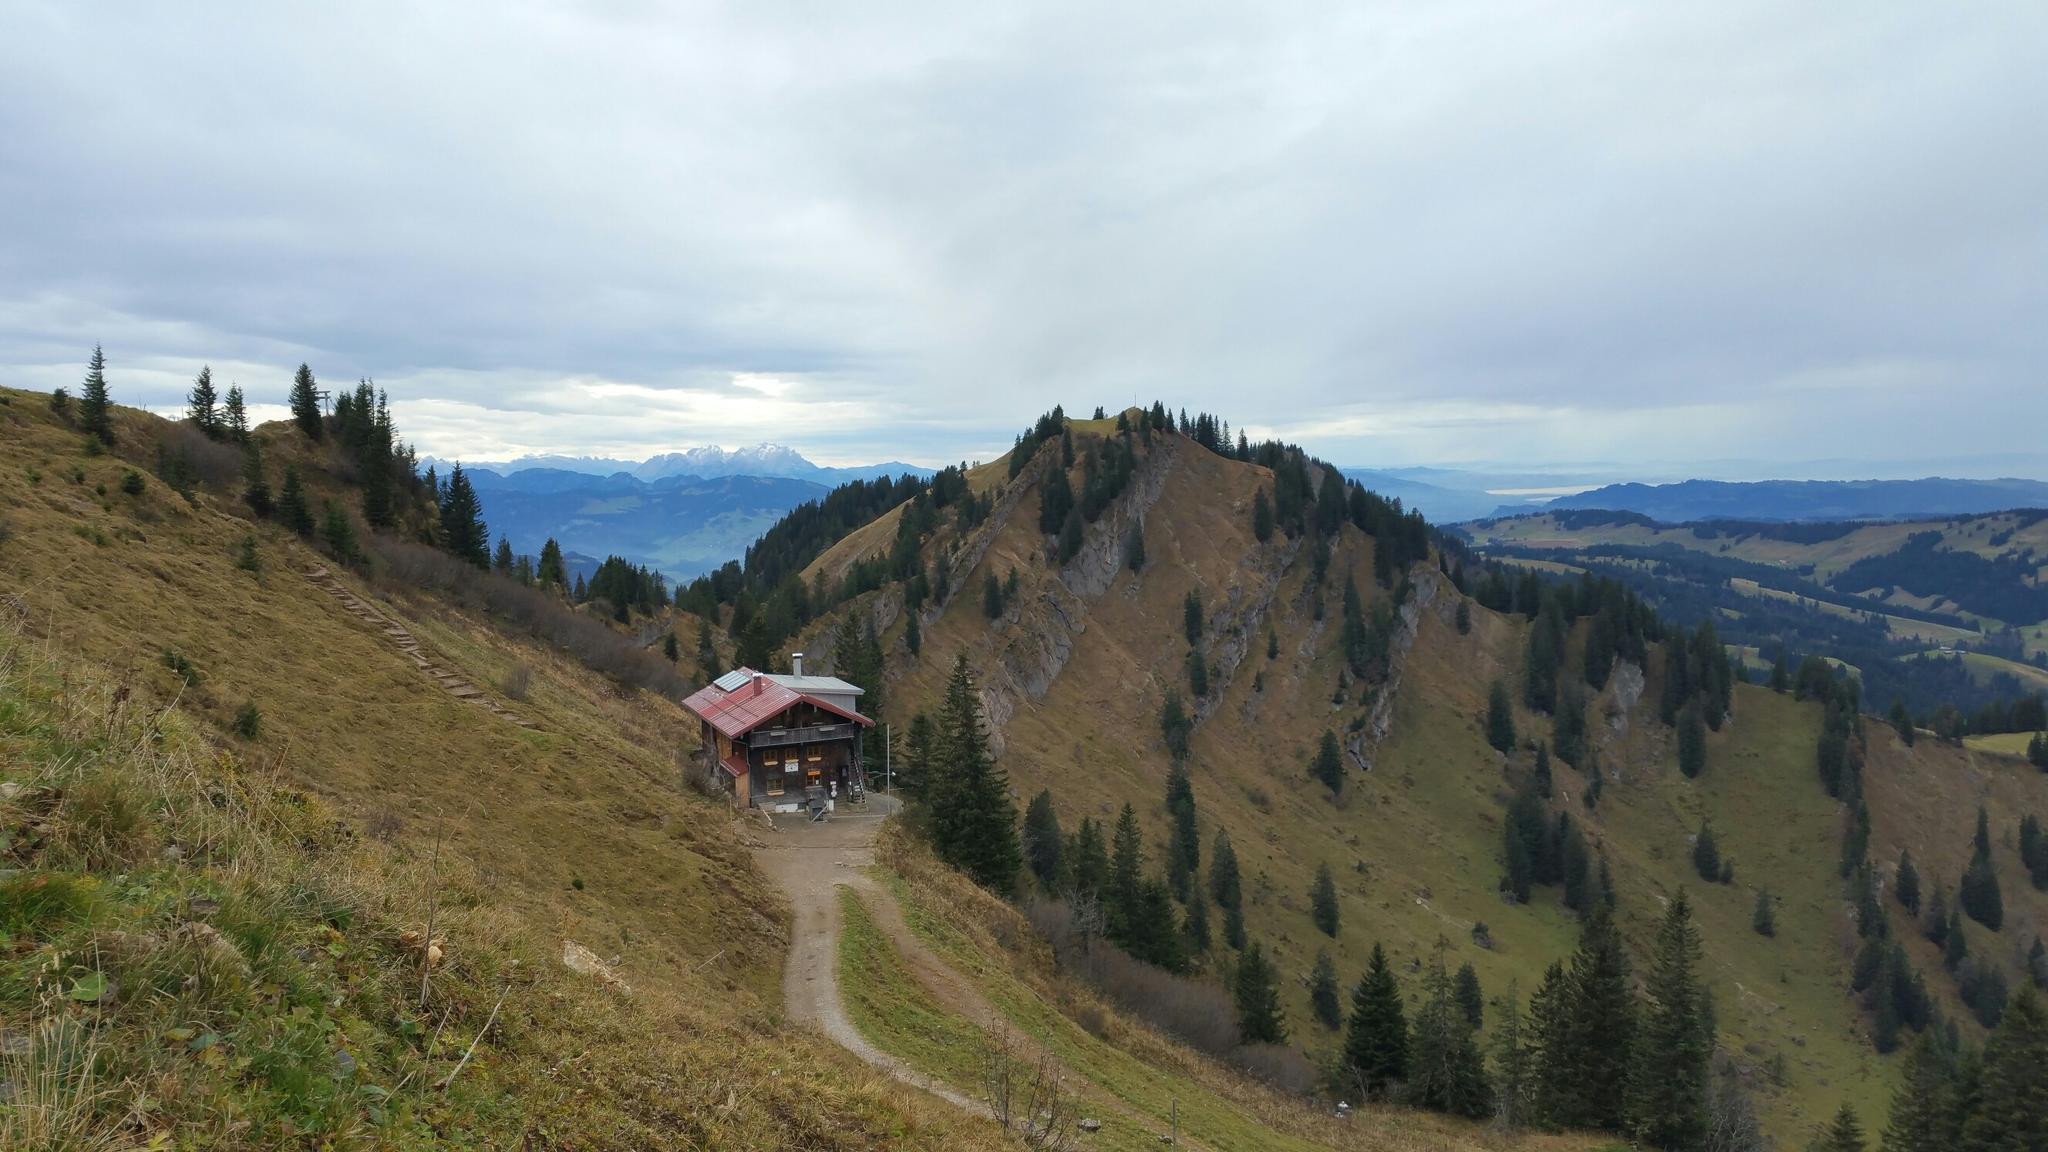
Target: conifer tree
(1262, 517)
(202, 404)
(1089, 873)
(501, 561)
(1376, 1039)
(1588, 1060)
(1126, 877)
(1706, 855)
(913, 637)
(1955, 942)
(1322, 899)
(1175, 726)
(1514, 1064)
(1692, 740)
(670, 648)
(463, 532)
(1676, 1046)
(339, 534)
(1906, 882)
(1539, 775)
(1979, 894)
(980, 821)
(1257, 993)
(1446, 1073)
(1233, 926)
(1471, 999)
(95, 409)
(1922, 1115)
(1843, 1134)
(1328, 765)
(305, 404)
(1935, 924)
(551, 572)
(291, 504)
(1134, 553)
(1764, 920)
(234, 416)
(1184, 845)
(1191, 616)
(1500, 719)
(1042, 839)
(1322, 991)
(2012, 1106)
(255, 487)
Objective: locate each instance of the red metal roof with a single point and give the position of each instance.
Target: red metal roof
(754, 703)
(735, 766)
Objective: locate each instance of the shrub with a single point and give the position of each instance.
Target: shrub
(249, 721)
(518, 680)
(132, 483)
(184, 669)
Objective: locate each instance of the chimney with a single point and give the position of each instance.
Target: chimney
(796, 663)
(758, 681)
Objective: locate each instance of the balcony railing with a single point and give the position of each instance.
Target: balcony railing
(815, 734)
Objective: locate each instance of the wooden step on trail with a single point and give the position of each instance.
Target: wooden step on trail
(450, 681)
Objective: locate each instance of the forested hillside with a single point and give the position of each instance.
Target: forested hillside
(1244, 733)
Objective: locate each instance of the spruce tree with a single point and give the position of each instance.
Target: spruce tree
(339, 534)
(1922, 1116)
(1706, 855)
(1322, 991)
(234, 416)
(1126, 877)
(305, 404)
(1843, 1134)
(1979, 894)
(1257, 994)
(1764, 920)
(1471, 999)
(1676, 1045)
(1328, 765)
(255, 487)
(95, 410)
(981, 819)
(1090, 877)
(2012, 1108)
(1191, 617)
(202, 405)
(1500, 719)
(1692, 740)
(1592, 1059)
(551, 572)
(1376, 1039)
(1262, 517)
(1906, 882)
(463, 532)
(913, 637)
(1322, 900)
(292, 510)
(1184, 844)
(1134, 553)
(1042, 840)
(501, 561)
(1539, 775)
(1446, 1073)
(1514, 1064)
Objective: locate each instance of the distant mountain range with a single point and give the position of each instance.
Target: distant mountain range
(1787, 500)
(706, 461)
(682, 526)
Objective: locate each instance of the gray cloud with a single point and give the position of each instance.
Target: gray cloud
(1498, 233)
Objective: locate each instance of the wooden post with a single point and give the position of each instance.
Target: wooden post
(1173, 1111)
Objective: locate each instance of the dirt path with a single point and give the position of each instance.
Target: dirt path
(811, 861)
(407, 643)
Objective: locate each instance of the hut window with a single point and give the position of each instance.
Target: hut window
(815, 752)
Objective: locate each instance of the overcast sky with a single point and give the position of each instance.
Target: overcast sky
(1720, 237)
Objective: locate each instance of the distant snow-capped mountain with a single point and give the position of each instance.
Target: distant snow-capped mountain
(707, 461)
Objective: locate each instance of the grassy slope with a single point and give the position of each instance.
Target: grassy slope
(575, 831)
(1129, 1076)
(1415, 842)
